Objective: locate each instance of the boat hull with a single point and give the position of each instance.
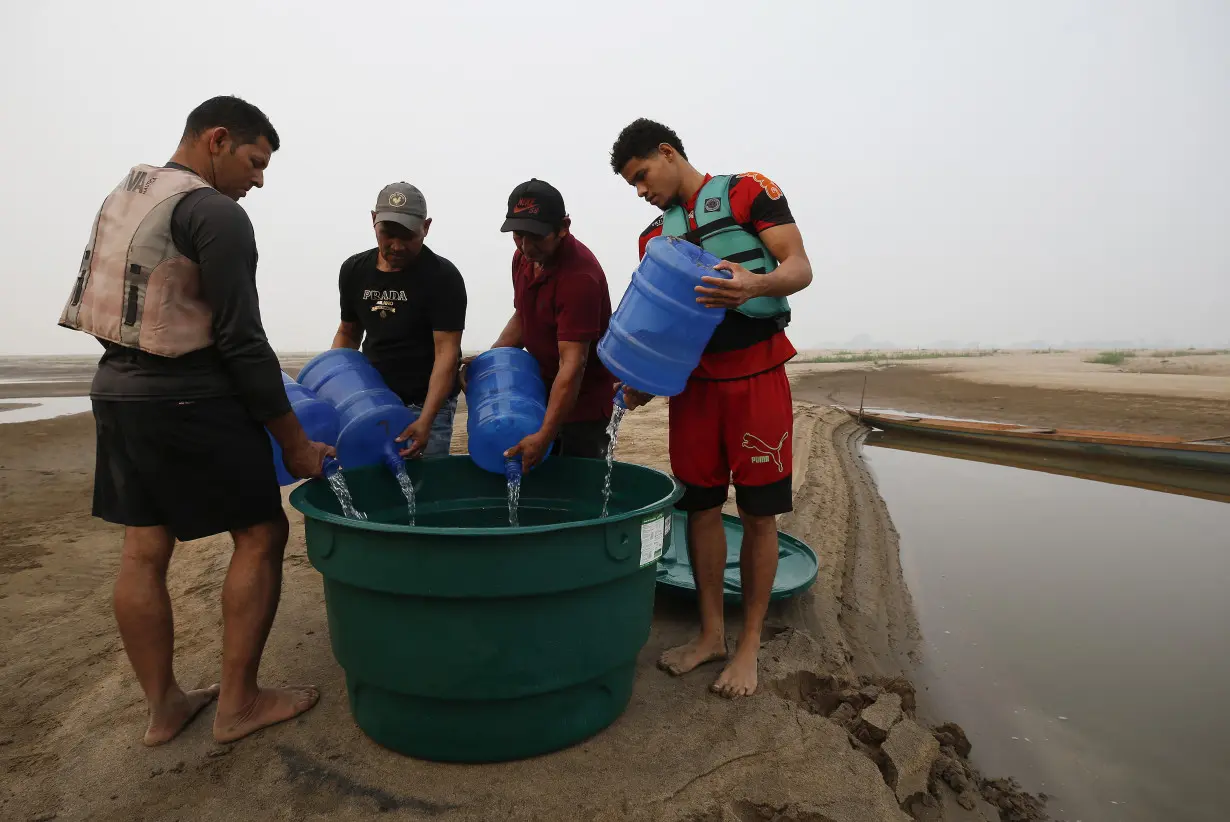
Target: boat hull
(1203, 456)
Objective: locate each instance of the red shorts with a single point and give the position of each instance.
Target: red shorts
(734, 429)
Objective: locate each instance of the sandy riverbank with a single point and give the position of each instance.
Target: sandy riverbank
(1191, 399)
(72, 712)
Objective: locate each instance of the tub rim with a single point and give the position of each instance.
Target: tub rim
(299, 502)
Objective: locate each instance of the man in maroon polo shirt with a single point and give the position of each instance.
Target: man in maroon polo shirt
(562, 308)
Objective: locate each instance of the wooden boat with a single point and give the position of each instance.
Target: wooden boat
(1150, 475)
(1206, 455)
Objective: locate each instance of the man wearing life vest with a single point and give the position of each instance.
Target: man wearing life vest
(186, 387)
(406, 306)
(734, 420)
(562, 307)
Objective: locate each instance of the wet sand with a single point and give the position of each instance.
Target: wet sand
(73, 713)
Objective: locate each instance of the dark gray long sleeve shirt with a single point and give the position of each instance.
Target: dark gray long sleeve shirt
(213, 231)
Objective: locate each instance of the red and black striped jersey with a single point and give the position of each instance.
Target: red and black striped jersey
(756, 203)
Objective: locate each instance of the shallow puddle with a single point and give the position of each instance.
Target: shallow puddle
(39, 380)
(32, 409)
(1077, 630)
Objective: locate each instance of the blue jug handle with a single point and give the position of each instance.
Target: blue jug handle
(330, 467)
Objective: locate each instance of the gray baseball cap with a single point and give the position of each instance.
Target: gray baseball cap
(403, 204)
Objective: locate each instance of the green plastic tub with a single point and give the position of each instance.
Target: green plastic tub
(463, 639)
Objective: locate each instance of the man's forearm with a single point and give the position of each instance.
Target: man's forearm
(510, 337)
(564, 392)
(343, 340)
(791, 277)
(288, 431)
(443, 372)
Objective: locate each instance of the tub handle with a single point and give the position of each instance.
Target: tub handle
(326, 542)
(618, 543)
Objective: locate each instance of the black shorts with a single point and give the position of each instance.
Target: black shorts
(196, 467)
(586, 438)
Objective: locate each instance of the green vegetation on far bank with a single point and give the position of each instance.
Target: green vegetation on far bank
(1111, 357)
(876, 356)
(1189, 352)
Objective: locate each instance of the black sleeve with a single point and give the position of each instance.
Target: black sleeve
(345, 288)
(767, 212)
(759, 202)
(448, 303)
(218, 236)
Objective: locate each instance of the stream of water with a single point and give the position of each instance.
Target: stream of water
(612, 433)
(512, 473)
(407, 491)
(514, 500)
(342, 491)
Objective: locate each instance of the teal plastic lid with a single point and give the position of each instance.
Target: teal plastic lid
(797, 564)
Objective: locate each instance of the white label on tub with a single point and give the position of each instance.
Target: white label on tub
(652, 532)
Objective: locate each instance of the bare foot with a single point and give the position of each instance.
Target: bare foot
(678, 661)
(271, 706)
(166, 721)
(739, 677)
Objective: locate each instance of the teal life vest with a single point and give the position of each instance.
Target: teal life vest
(717, 232)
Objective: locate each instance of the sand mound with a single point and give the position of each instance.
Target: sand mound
(811, 745)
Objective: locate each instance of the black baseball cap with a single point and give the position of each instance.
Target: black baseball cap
(535, 207)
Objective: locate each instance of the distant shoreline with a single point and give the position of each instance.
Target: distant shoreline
(1179, 349)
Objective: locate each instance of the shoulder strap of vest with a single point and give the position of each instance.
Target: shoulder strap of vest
(718, 233)
(674, 222)
(713, 212)
(715, 217)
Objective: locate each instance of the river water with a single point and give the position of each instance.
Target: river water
(1077, 630)
(41, 408)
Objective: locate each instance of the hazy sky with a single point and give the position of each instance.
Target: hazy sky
(960, 170)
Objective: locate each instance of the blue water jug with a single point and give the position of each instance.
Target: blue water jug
(318, 418)
(370, 415)
(506, 401)
(659, 331)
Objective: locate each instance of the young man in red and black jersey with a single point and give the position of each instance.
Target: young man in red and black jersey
(734, 420)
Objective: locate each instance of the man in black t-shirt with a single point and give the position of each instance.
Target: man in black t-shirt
(406, 305)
